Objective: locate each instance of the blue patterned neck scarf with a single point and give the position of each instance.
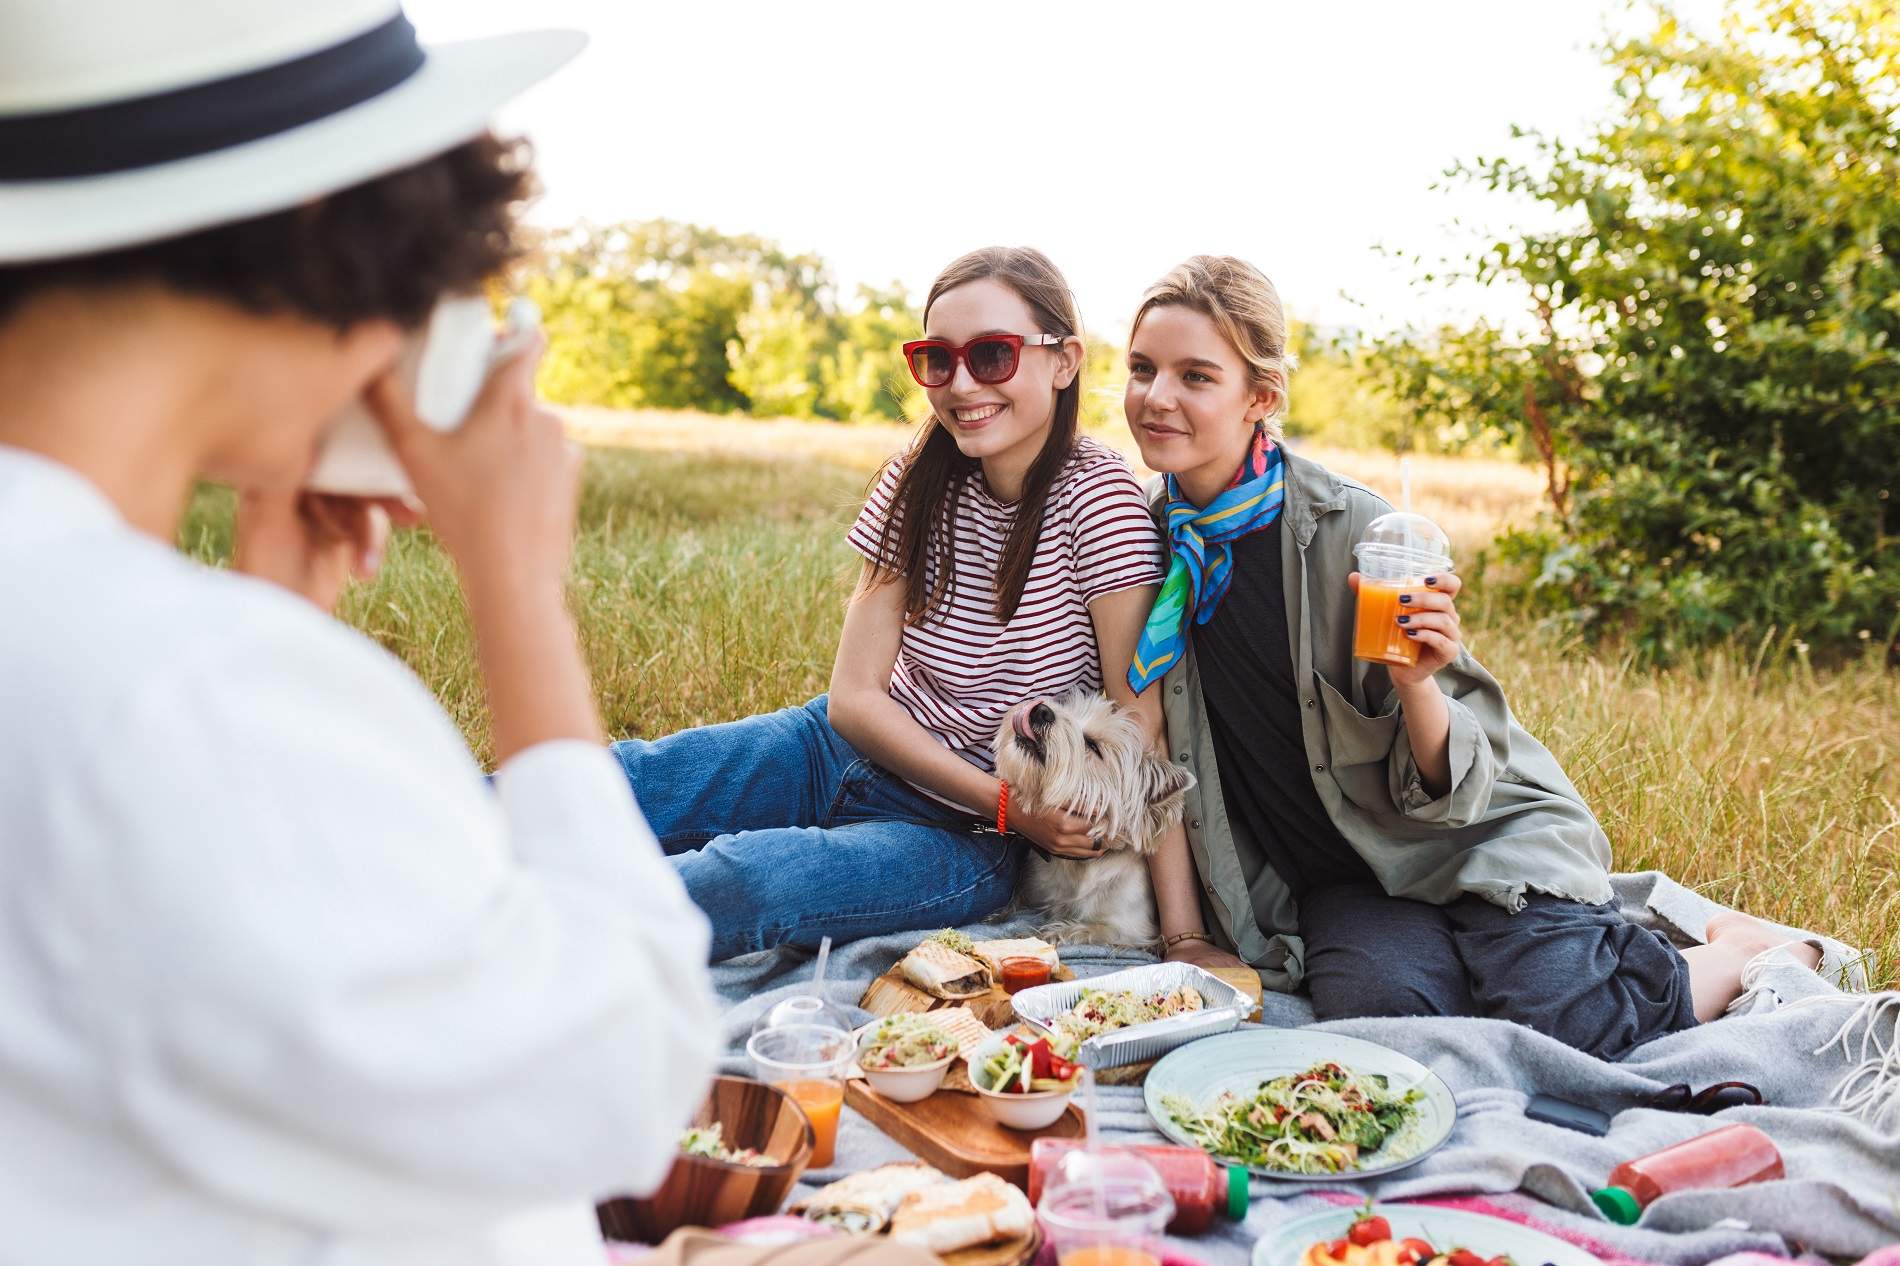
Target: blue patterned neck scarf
(1202, 564)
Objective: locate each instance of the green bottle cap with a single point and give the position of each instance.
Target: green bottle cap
(1239, 1191)
(1618, 1205)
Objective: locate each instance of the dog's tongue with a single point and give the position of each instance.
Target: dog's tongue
(1023, 729)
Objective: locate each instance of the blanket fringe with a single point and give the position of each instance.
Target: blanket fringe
(1870, 1040)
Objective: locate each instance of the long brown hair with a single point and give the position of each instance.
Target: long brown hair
(920, 525)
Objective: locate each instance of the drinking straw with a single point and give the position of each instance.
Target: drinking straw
(1405, 484)
(1091, 1143)
(818, 973)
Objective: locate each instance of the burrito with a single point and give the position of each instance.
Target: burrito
(994, 952)
(979, 1210)
(863, 1203)
(937, 969)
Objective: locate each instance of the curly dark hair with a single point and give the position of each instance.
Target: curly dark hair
(387, 248)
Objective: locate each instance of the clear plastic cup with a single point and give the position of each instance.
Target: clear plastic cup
(803, 1046)
(1106, 1208)
(1398, 551)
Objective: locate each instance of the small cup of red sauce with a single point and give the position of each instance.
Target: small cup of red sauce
(1023, 972)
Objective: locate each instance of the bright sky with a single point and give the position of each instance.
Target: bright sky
(1118, 137)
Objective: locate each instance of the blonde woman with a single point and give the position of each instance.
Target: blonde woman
(1387, 837)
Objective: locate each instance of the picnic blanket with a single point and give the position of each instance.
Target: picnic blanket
(1809, 1047)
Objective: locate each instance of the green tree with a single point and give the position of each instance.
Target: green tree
(643, 314)
(862, 377)
(1711, 376)
(774, 359)
(1334, 399)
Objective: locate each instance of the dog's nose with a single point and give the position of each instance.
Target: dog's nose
(1041, 716)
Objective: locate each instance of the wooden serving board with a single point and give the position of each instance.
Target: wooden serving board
(951, 1131)
(891, 993)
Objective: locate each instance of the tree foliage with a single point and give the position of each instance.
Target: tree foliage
(659, 314)
(1711, 377)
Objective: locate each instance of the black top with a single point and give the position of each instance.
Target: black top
(1253, 708)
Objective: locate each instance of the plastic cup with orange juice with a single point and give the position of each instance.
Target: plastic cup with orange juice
(803, 1047)
(1106, 1208)
(1398, 552)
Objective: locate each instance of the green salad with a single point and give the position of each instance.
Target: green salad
(1023, 1067)
(1100, 1011)
(1320, 1121)
(709, 1143)
(905, 1041)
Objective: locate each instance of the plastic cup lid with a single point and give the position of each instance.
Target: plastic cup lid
(1111, 1187)
(1401, 531)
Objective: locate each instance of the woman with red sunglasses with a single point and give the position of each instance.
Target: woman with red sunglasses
(1006, 559)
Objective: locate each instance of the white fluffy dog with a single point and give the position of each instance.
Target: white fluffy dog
(1084, 754)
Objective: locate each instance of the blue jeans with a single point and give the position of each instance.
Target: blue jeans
(785, 834)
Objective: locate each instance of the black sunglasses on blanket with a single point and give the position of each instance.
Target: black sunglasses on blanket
(1705, 1102)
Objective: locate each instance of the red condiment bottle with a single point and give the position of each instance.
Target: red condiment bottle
(1201, 1186)
(1732, 1156)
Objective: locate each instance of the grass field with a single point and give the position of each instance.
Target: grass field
(710, 580)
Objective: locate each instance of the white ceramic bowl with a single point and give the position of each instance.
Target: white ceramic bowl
(1037, 1111)
(907, 1085)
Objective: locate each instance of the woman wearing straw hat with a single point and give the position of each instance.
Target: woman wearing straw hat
(282, 980)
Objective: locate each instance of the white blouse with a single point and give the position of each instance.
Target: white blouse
(281, 979)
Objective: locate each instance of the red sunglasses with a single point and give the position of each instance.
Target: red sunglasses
(992, 358)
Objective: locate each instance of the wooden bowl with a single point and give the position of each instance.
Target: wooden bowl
(703, 1192)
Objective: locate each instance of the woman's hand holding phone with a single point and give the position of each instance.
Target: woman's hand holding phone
(502, 490)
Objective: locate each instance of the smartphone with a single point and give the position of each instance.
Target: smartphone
(443, 367)
(1572, 1116)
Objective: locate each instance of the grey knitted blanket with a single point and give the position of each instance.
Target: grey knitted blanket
(1828, 1062)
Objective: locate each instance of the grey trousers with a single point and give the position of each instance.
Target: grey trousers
(1575, 972)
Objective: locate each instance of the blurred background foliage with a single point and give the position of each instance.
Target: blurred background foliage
(1709, 378)
(1705, 373)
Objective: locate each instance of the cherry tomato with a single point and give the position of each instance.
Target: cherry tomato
(1369, 1230)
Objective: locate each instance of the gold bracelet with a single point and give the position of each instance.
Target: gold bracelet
(1176, 939)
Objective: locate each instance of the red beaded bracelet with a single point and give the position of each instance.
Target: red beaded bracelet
(1002, 809)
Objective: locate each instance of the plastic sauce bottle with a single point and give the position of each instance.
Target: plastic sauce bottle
(1201, 1186)
(1732, 1156)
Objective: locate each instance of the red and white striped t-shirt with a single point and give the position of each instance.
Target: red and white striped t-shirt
(960, 672)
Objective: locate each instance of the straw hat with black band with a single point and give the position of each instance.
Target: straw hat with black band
(128, 121)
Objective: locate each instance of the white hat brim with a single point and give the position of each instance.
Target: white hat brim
(449, 100)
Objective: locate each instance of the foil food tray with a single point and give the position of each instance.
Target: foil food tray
(1226, 1007)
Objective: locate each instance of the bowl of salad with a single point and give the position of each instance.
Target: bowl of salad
(1024, 1082)
(739, 1158)
(904, 1057)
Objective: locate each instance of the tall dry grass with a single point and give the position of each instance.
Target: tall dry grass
(710, 577)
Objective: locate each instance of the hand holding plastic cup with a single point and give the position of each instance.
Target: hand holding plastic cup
(1398, 552)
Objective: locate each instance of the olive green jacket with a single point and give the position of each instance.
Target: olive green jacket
(1511, 823)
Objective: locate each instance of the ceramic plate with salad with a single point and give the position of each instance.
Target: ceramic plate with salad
(1412, 1235)
(1300, 1105)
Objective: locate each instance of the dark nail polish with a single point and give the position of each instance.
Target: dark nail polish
(1405, 597)
(1431, 580)
(1411, 632)
(1405, 619)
